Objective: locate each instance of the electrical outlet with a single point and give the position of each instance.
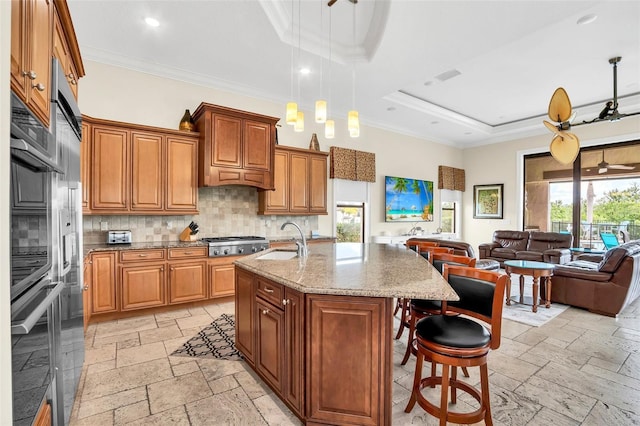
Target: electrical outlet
(104, 226)
(169, 224)
(306, 222)
(267, 223)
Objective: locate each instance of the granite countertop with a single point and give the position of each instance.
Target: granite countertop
(89, 248)
(353, 269)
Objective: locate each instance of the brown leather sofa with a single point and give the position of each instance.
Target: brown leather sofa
(459, 247)
(549, 247)
(604, 287)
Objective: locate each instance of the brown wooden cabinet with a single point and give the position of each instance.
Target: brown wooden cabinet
(187, 281)
(221, 276)
(236, 147)
(31, 43)
(87, 291)
(293, 391)
(44, 417)
(270, 348)
(300, 177)
(142, 286)
(136, 169)
(85, 158)
(65, 45)
(103, 282)
(245, 308)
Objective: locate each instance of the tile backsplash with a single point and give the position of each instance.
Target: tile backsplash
(224, 211)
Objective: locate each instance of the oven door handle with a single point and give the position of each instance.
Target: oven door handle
(31, 156)
(25, 326)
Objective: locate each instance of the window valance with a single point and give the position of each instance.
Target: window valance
(450, 178)
(351, 164)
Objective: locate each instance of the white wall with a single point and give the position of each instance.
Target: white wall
(5, 308)
(502, 163)
(124, 95)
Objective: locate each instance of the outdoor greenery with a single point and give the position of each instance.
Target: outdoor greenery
(614, 206)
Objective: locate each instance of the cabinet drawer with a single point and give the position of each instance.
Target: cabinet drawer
(188, 252)
(270, 291)
(141, 255)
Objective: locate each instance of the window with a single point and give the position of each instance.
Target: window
(448, 217)
(350, 223)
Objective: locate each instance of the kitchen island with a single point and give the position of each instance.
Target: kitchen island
(318, 330)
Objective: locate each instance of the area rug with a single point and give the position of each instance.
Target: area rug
(522, 313)
(214, 341)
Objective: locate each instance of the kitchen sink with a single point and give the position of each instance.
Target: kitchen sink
(278, 255)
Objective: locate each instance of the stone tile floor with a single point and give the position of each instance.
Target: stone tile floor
(578, 369)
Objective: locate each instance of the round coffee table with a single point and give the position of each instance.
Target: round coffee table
(536, 270)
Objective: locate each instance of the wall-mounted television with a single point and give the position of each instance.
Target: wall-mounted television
(408, 200)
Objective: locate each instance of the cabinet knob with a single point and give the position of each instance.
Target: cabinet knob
(172, 269)
(265, 311)
(31, 74)
(142, 255)
(85, 288)
(285, 302)
(188, 253)
(268, 290)
(40, 87)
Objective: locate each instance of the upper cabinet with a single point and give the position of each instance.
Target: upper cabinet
(236, 147)
(41, 29)
(31, 34)
(65, 45)
(133, 169)
(300, 180)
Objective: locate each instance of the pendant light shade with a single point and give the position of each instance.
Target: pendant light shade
(352, 120)
(321, 111)
(292, 113)
(329, 129)
(299, 125)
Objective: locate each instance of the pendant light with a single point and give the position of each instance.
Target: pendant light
(329, 125)
(321, 104)
(292, 107)
(353, 121)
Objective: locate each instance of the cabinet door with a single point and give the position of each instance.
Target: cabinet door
(86, 291)
(146, 171)
(19, 41)
(221, 277)
(227, 142)
(142, 286)
(187, 281)
(44, 416)
(103, 281)
(270, 343)
(318, 184)
(278, 199)
(257, 145)
(109, 174)
(85, 165)
(293, 348)
(299, 183)
(39, 90)
(245, 303)
(182, 177)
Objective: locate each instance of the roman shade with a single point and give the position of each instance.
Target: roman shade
(450, 178)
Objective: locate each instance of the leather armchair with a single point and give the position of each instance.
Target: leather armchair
(604, 287)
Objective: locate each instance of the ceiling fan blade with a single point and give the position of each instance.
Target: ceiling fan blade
(621, 167)
(550, 126)
(560, 106)
(565, 147)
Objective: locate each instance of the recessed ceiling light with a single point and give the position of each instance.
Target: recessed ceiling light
(435, 122)
(152, 22)
(428, 83)
(391, 109)
(304, 71)
(586, 19)
(467, 133)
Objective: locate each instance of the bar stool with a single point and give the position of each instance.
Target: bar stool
(419, 308)
(460, 341)
(402, 305)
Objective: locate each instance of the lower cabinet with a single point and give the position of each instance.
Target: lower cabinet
(86, 291)
(44, 416)
(222, 276)
(103, 283)
(187, 281)
(143, 286)
(304, 347)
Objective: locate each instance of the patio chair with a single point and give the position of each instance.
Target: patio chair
(609, 240)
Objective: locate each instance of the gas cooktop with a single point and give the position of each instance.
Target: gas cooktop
(234, 246)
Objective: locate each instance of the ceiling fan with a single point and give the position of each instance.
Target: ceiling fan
(565, 145)
(603, 166)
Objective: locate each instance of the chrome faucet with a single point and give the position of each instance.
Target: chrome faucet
(302, 246)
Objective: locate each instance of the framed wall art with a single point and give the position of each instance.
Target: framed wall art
(408, 200)
(487, 201)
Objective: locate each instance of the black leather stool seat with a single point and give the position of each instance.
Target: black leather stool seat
(428, 305)
(453, 331)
